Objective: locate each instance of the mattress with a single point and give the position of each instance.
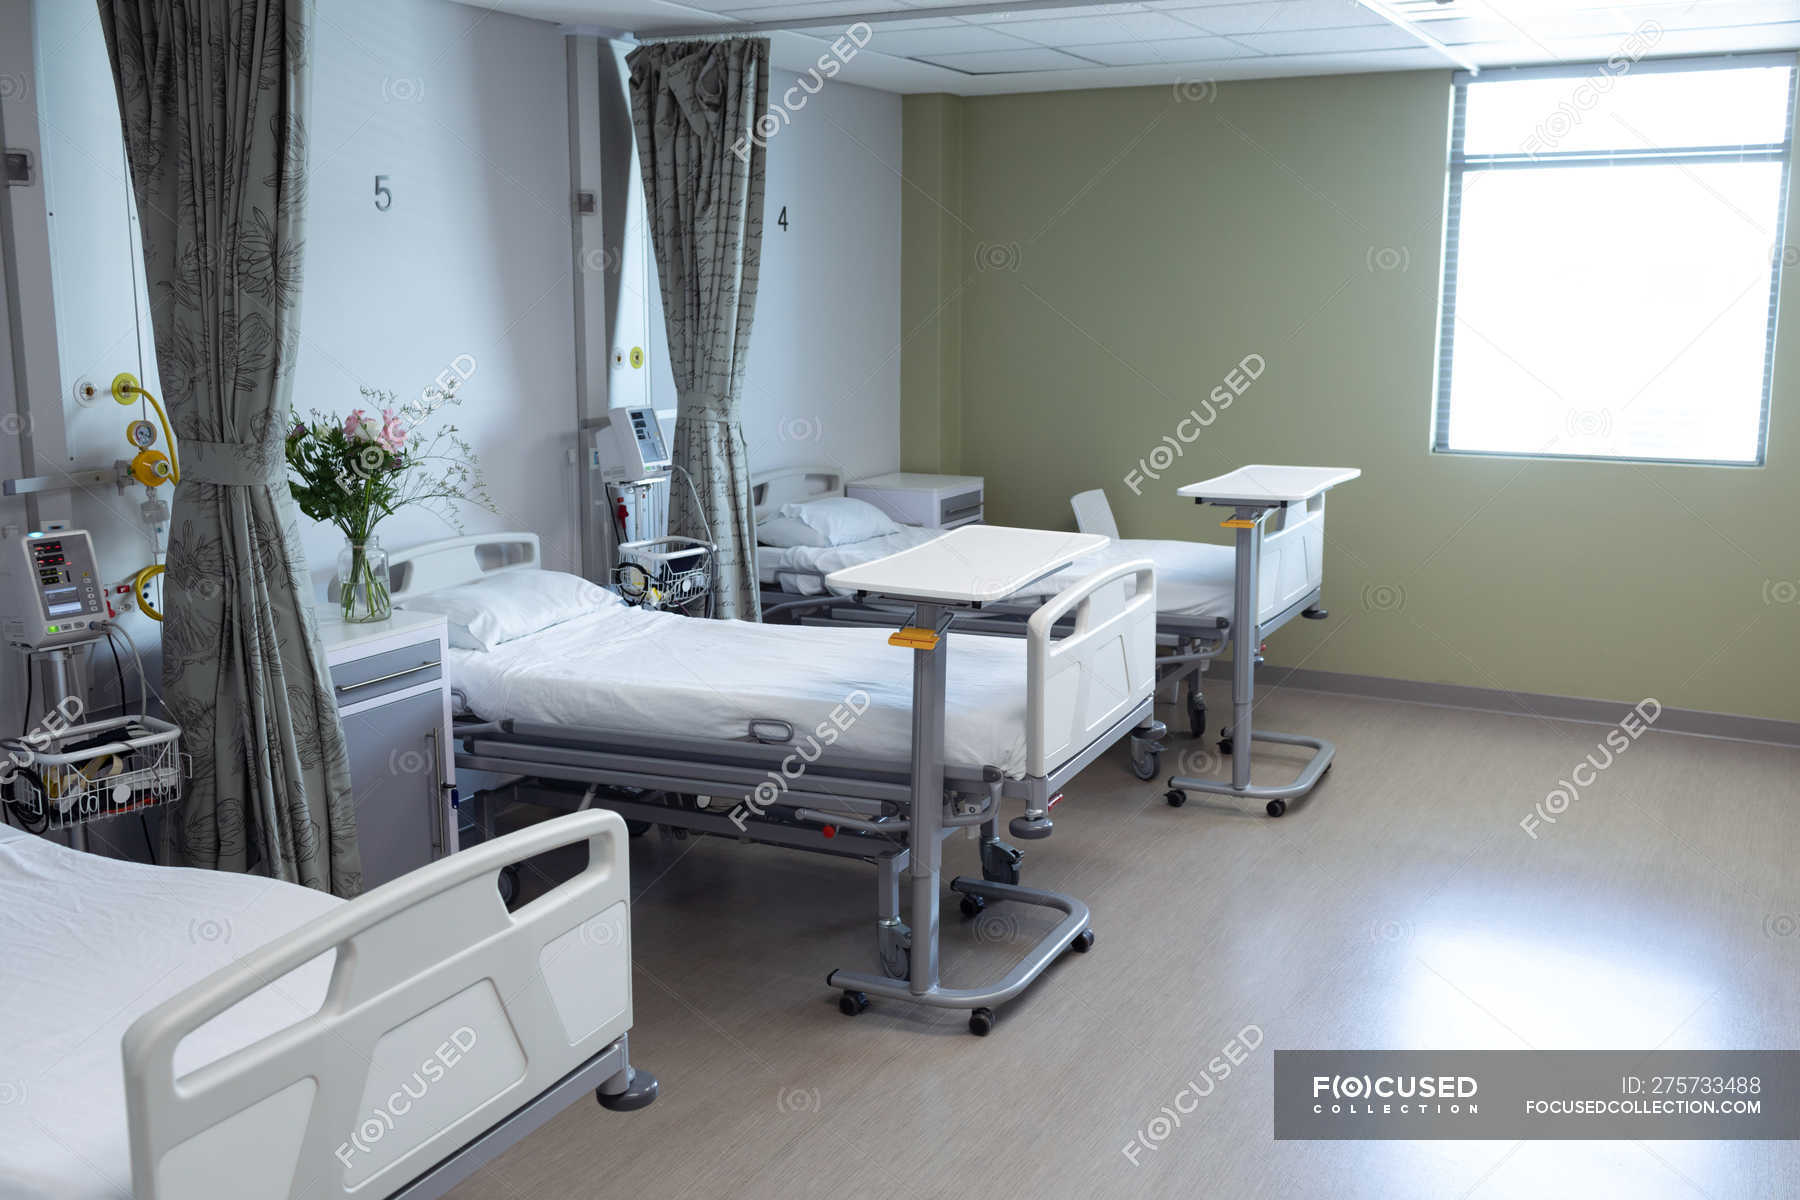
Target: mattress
(90, 944)
(1193, 579)
(627, 670)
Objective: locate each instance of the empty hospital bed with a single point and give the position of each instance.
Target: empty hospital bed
(1195, 581)
(281, 1042)
(805, 737)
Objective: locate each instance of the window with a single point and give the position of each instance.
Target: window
(1614, 251)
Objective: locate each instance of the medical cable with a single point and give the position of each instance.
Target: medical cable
(143, 679)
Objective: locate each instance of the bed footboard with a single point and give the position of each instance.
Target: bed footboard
(1293, 559)
(1081, 684)
(444, 1016)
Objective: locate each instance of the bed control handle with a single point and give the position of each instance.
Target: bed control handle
(760, 727)
(830, 821)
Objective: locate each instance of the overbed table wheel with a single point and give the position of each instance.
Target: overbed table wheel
(1276, 807)
(973, 905)
(1176, 797)
(981, 1022)
(852, 1003)
(1084, 941)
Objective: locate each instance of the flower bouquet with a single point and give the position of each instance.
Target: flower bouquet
(356, 471)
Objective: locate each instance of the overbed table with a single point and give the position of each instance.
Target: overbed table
(1254, 492)
(962, 571)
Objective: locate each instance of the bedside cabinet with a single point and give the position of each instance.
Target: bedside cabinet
(932, 501)
(393, 698)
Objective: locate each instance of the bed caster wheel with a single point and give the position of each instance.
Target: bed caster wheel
(981, 1022)
(852, 1003)
(1000, 862)
(1176, 797)
(637, 1094)
(1224, 745)
(1276, 807)
(1197, 718)
(1146, 768)
(509, 885)
(1084, 941)
(972, 905)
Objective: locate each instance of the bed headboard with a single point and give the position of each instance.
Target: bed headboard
(447, 562)
(769, 490)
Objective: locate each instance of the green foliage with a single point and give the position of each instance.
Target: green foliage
(357, 470)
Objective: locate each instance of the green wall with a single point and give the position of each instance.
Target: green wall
(1083, 268)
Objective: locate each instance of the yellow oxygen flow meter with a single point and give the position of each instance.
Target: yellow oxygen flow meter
(149, 466)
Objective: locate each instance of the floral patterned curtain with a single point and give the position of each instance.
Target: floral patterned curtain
(213, 97)
(695, 106)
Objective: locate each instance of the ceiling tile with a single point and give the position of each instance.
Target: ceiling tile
(950, 39)
(1000, 61)
(882, 27)
(1330, 41)
(1177, 50)
(1044, 14)
(765, 10)
(1281, 16)
(1083, 31)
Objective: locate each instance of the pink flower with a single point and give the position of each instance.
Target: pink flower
(360, 427)
(393, 433)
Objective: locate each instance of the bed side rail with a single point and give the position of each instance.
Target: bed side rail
(1080, 684)
(1293, 558)
(444, 1014)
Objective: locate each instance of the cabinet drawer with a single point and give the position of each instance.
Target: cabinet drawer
(389, 671)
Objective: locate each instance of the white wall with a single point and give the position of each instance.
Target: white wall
(465, 111)
(822, 386)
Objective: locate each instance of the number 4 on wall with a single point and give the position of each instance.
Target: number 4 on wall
(782, 219)
(384, 198)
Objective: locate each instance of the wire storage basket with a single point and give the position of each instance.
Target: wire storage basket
(60, 778)
(666, 572)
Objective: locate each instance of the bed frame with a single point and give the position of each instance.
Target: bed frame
(849, 805)
(536, 1003)
(1289, 585)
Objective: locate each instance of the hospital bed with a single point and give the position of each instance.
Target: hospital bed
(1195, 581)
(281, 1042)
(821, 739)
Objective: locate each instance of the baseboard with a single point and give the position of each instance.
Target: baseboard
(1531, 704)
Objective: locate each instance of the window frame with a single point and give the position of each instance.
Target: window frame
(1461, 164)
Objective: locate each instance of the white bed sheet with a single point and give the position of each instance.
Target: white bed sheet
(1193, 579)
(632, 671)
(89, 945)
(776, 565)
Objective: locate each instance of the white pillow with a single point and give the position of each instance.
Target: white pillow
(784, 533)
(510, 604)
(839, 520)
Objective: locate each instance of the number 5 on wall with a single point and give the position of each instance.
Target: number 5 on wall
(384, 198)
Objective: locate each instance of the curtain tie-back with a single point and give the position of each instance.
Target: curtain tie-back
(229, 464)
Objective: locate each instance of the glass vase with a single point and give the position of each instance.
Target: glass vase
(362, 570)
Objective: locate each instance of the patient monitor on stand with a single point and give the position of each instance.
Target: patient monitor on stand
(632, 456)
(50, 592)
